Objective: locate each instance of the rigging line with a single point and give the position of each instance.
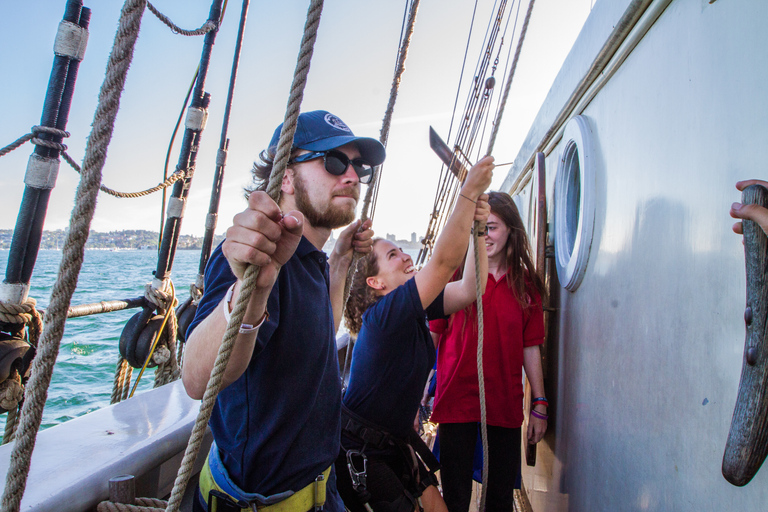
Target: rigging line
(511, 75)
(221, 157)
(489, 42)
(168, 155)
(72, 257)
(463, 67)
(252, 272)
(402, 55)
(168, 313)
(508, 60)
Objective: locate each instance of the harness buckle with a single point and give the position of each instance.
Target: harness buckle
(320, 478)
(358, 477)
(220, 502)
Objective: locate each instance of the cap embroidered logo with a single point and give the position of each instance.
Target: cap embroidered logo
(336, 123)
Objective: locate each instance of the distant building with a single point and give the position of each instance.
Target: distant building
(391, 237)
(413, 237)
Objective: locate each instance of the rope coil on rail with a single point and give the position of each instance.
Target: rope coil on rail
(207, 26)
(73, 253)
(139, 505)
(11, 395)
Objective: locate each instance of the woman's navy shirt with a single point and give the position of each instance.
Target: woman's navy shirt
(392, 358)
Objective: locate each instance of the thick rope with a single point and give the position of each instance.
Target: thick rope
(11, 395)
(140, 505)
(383, 137)
(480, 372)
(252, 272)
(394, 89)
(72, 257)
(123, 372)
(11, 424)
(207, 26)
(173, 178)
(16, 144)
(480, 327)
(168, 369)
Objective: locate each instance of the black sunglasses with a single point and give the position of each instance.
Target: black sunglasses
(336, 163)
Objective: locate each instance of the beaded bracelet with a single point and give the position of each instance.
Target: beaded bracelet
(536, 414)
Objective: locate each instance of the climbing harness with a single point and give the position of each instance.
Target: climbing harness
(368, 468)
(221, 494)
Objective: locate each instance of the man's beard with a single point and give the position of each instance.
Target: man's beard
(334, 216)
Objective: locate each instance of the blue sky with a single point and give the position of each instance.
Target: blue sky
(350, 76)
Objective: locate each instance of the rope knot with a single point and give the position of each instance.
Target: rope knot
(161, 355)
(18, 313)
(38, 130)
(11, 393)
(196, 293)
(158, 293)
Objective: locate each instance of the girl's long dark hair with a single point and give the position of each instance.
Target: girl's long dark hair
(521, 271)
(518, 261)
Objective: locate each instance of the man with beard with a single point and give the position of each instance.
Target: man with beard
(276, 422)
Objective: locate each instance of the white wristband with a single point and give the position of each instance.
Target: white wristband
(244, 328)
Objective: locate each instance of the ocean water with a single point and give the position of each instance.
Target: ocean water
(85, 368)
(84, 372)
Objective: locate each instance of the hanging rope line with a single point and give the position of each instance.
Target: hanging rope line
(207, 26)
(173, 178)
(373, 189)
(252, 272)
(72, 257)
(372, 193)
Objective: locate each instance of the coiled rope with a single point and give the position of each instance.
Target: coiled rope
(139, 505)
(478, 291)
(252, 272)
(12, 392)
(12, 389)
(72, 257)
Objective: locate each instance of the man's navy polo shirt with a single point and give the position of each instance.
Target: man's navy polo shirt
(392, 358)
(277, 426)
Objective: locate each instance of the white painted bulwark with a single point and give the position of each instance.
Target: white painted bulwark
(144, 436)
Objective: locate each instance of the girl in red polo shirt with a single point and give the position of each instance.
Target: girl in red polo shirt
(513, 331)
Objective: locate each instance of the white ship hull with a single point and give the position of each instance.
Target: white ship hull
(644, 357)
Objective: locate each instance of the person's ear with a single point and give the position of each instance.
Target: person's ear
(375, 283)
(287, 184)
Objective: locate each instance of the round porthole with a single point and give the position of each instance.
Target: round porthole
(574, 204)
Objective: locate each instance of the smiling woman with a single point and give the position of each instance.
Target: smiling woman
(388, 307)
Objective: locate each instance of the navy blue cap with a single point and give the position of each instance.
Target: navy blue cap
(320, 131)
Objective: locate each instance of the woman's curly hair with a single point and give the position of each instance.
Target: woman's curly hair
(361, 296)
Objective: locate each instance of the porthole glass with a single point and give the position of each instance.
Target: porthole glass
(574, 203)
